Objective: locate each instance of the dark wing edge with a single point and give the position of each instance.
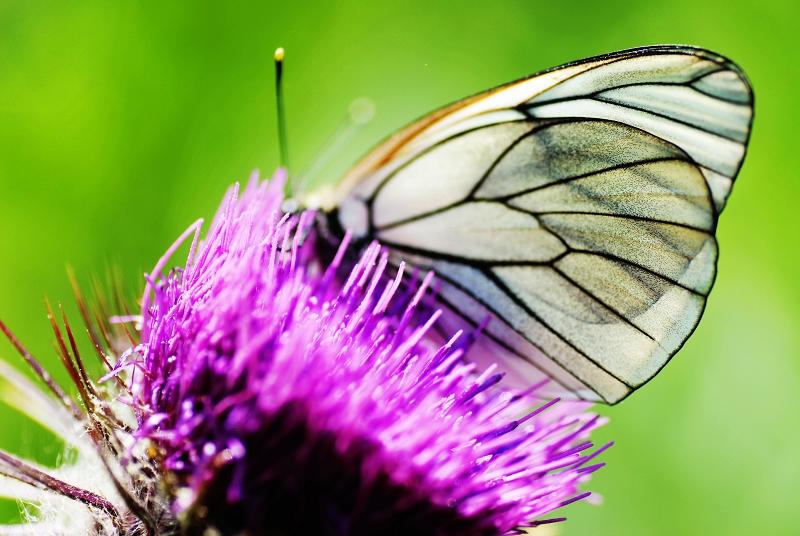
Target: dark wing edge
(383, 151)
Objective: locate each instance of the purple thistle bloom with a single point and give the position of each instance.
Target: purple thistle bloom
(270, 393)
(284, 402)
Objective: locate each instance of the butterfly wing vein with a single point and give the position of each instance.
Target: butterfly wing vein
(576, 209)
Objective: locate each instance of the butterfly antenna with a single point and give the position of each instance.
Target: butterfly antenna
(282, 141)
(360, 112)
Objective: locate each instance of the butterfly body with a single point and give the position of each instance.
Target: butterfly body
(576, 209)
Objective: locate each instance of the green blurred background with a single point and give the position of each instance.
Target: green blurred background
(122, 121)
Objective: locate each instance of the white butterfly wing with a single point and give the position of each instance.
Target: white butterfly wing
(576, 209)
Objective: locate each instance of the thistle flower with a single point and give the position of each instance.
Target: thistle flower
(259, 392)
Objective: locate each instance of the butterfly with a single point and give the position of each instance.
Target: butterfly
(574, 209)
